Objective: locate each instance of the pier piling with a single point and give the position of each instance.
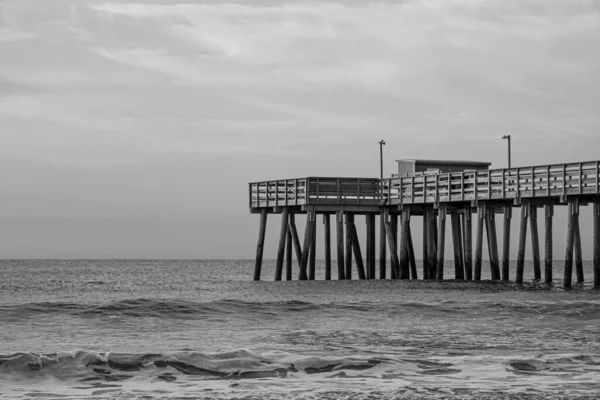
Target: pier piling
(577, 250)
(327, 223)
(281, 248)
(313, 251)
(535, 243)
(549, 212)
(441, 242)
(522, 243)
(289, 256)
(391, 240)
(295, 238)
(395, 274)
(468, 243)
(411, 256)
(360, 267)
(596, 239)
(490, 224)
(431, 247)
(339, 223)
(349, 223)
(506, 244)
(404, 261)
(371, 252)
(260, 245)
(573, 210)
(457, 243)
(382, 246)
(479, 242)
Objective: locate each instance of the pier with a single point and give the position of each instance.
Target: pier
(454, 193)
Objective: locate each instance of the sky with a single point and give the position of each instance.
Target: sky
(131, 129)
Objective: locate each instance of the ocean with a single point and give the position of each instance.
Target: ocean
(203, 330)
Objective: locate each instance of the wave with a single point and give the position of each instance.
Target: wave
(89, 366)
(185, 309)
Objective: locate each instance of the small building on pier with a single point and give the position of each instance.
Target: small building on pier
(420, 167)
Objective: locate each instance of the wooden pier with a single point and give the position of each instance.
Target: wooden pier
(456, 198)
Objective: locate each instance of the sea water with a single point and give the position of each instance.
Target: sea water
(202, 329)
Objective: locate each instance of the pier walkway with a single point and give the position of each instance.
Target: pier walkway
(432, 195)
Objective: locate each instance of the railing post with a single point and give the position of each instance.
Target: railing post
(548, 192)
(518, 194)
(532, 181)
(564, 180)
(317, 184)
(462, 186)
(475, 184)
(489, 184)
(580, 178)
(503, 183)
(597, 176)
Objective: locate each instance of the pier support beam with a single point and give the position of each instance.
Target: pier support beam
(339, 223)
(522, 243)
(549, 212)
(596, 239)
(404, 261)
(411, 256)
(327, 223)
(535, 242)
(289, 255)
(371, 255)
(281, 248)
(577, 250)
(395, 274)
(479, 242)
(457, 243)
(360, 267)
(572, 215)
(425, 247)
(391, 235)
(295, 238)
(468, 243)
(260, 246)
(308, 235)
(490, 223)
(349, 223)
(431, 247)
(382, 246)
(313, 251)
(506, 244)
(441, 242)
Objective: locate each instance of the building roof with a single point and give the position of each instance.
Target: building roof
(445, 162)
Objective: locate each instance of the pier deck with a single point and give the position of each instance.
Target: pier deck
(432, 195)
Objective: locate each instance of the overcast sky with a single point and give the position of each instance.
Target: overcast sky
(132, 129)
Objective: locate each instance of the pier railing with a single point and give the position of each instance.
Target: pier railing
(315, 191)
(506, 183)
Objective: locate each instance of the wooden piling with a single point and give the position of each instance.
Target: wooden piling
(404, 262)
(457, 243)
(425, 247)
(313, 252)
(295, 238)
(506, 244)
(289, 255)
(441, 242)
(339, 222)
(393, 221)
(371, 252)
(479, 243)
(261, 244)
(577, 251)
(596, 239)
(570, 239)
(382, 246)
(431, 248)
(493, 244)
(522, 243)
(360, 267)
(281, 248)
(306, 245)
(327, 223)
(411, 256)
(349, 222)
(549, 212)
(535, 244)
(468, 243)
(391, 240)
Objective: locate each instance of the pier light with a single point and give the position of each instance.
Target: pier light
(508, 138)
(381, 144)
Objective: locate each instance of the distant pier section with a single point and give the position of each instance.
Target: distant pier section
(461, 192)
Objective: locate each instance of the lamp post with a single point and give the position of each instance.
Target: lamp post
(381, 144)
(508, 138)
